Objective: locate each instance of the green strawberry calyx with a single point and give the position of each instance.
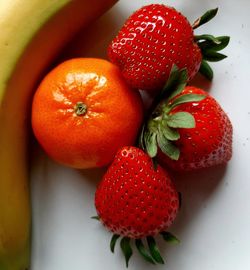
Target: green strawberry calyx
(206, 17)
(209, 45)
(161, 128)
(149, 252)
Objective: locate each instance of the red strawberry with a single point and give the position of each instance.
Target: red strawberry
(157, 36)
(209, 143)
(136, 200)
(191, 129)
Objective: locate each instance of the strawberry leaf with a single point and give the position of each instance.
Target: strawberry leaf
(181, 120)
(167, 147)
(210, 38)
(126, 249)
(141, 138)
(209, 45)
(171, 82)
(169, 133)
(113, 242)
(160, 129)
(206, 17)
(150, 143)
(154, 251)
(170, 238)
(206, 70)
(213, 56)
(185, 99)
(143, 251)
(175, 84)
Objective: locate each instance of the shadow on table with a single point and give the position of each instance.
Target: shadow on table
(94, 40)
(197, 189)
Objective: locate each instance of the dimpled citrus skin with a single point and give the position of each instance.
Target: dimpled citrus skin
(133, 199)
(209, 143)
(153, 39)
(112, 120)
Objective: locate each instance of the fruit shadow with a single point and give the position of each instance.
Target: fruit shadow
(39, 188)
(92, 176)
(201, 82)
(94, 40)
(197, 189)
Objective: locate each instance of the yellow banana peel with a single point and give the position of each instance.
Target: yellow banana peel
(32, 34)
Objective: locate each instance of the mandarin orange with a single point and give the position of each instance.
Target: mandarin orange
(83, 112)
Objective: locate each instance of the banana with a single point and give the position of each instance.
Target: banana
(32, 34)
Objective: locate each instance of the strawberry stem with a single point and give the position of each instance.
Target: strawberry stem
(96, 218)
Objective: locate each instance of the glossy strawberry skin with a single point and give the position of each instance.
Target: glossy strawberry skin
(153, 39)
(209, 143)
(133, 199)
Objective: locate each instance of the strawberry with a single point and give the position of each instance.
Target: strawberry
(189, 127)
(209, 143)
(134, 200)
(157, 36)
